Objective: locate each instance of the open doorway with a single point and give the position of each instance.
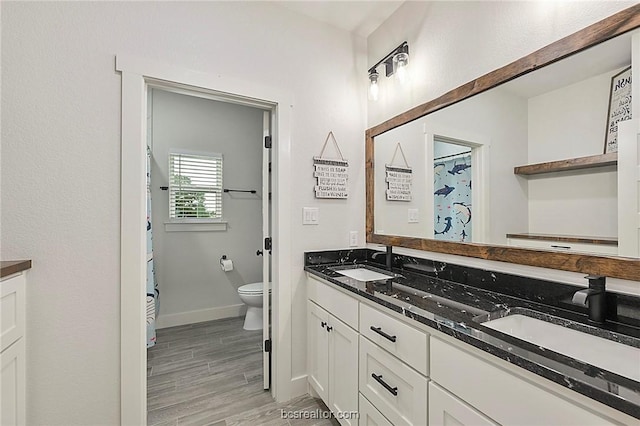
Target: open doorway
(208, 216)
(137, 78)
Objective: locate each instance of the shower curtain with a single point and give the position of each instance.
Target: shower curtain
(152, 285)
(452, 199)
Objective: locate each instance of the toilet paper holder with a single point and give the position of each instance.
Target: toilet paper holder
(226, 264)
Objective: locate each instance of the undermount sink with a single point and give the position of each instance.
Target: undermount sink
(364, 274)
(619, 358)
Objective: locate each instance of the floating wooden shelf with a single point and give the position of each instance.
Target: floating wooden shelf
(592, 161)
(610, 241)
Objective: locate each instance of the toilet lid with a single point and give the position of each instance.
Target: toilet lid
(252, 288)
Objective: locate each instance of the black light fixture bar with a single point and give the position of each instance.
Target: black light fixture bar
(388, 59)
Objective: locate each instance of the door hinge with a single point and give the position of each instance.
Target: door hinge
(267, 345)
(267, 243)
(267, 141)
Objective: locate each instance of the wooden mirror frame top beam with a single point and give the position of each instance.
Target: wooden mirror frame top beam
(617, 267)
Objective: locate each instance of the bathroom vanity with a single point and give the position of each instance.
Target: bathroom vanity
(425, 343)
(12, 341)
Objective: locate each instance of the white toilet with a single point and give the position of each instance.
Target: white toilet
(251, 295)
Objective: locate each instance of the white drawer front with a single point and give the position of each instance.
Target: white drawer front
(369, 416)
(447, 410)
(399, 393)
(12, 310)
(502, 396)
(337, 303)
(400, 339)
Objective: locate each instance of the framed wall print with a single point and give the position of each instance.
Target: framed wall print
(619, 108)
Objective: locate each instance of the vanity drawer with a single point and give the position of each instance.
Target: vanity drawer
(502, 396)
(369, 415)
(395, 389)
(337, 303)
(400, 339)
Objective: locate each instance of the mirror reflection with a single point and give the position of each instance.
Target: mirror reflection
(450, 176)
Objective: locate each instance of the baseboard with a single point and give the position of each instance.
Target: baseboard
(182, 318)
(299, 386)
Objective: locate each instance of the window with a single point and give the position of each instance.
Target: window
(195, 185)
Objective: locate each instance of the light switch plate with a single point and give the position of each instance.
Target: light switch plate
(353, 239)
(310, 216)
(412, 215)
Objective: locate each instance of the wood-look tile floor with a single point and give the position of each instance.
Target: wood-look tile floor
(210, 373)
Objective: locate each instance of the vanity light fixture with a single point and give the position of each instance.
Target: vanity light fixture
(396, 62)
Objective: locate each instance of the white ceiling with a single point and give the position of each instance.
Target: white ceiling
(359, 17)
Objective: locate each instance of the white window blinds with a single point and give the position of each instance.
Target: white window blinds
(195, 186)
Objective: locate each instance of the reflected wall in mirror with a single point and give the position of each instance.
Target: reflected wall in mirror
(555, 113)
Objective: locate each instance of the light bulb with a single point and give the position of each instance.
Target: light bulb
(374, 89)
(401, 60)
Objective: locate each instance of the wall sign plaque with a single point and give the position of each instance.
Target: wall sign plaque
(332, 174)
(398, 178)
(619, 108)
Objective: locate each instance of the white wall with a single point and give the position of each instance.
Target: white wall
(192, 285)
(497, 119)
(566, 123)
(61, 163)
(453, 42)
(391, 217)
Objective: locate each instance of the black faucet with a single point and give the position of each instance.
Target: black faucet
(595, 297)
(388, 258)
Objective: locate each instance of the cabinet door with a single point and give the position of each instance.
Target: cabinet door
(447, 410)
(12, 310)
(318, 350)
(12, 385)
(343, 371)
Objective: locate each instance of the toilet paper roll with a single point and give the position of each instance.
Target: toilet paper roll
(226, 265)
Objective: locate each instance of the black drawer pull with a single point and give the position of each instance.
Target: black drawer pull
(323, 324)
(394, 391)
(383, 334)
(329, 328)
(561, 247)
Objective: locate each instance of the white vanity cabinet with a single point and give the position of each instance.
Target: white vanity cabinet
(475, 391)
(396, 371)
(332, 362)
(12, 356)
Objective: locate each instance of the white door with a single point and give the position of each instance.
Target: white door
(266, 258)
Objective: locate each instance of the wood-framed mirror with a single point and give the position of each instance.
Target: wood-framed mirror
(483, 246)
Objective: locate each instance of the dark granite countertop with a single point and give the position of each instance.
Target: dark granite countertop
(10, 267)
(455, 300)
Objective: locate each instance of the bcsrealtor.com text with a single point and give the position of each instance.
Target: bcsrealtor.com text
(318, 414)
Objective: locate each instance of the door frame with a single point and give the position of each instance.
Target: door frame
(137, 75)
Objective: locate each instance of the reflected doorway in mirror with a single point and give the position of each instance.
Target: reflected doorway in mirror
(452, 176)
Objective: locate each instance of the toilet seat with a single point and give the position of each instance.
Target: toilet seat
(253, 288)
